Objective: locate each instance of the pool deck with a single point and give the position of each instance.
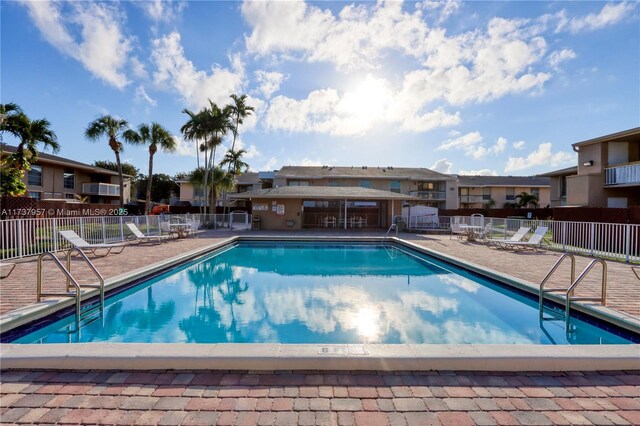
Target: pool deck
(310, 397)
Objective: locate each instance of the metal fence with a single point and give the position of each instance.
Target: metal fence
(28, 237)
(609, 240)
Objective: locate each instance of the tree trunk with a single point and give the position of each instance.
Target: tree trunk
(147, 201)
(121, 178)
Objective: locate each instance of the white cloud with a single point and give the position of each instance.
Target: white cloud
(481, 172)
(137, 68)
(442, 166)
(142, 96)
(542, 156)
(365, 105)
(611, 13)
(476, 66)
(102, 48)
(445, 8)
(560, 56)
(162, 11)
(183, 147)
(195, 87)
(269, 82)
(472, 147)
(519, 144)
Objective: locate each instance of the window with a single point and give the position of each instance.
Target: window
(394, 186)
(464, 191)
(365, 184)
(426, 186)
(69, 196)
(69, 179)
(35, 194)
(334, 183)
(198, 191)
(298, 183)
(563, 187)
(486, 193)
(35, 177)
(511, 194)
(536, 192)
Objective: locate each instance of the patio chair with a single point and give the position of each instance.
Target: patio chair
(146, 238)
(78, 242)
(456, 230)
(534, 243)
(194, 225)
(3, 269)
(165, 228)
(485, 233)
(517, 237)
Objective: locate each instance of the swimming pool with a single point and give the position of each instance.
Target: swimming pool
(329, 293)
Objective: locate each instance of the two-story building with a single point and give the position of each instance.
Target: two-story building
(432, 188)
(54, 177)
(607, 174)
(500, 191)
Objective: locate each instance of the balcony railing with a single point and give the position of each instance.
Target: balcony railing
(101, 189)
(628, 174)
(475, 198)
(429, 195)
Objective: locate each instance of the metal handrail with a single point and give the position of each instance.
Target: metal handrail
(393, 226)
(92, 267)
(603, 283)
(551, 271)
(70, 279)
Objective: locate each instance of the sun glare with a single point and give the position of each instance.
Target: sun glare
(366, 322)
(368, 99)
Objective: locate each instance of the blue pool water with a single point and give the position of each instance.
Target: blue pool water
(321, 293)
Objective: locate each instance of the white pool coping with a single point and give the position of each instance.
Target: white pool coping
(229, 356)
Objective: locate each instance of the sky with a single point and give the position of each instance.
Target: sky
(492, 88)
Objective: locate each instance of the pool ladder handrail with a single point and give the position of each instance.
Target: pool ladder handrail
(71, 281)
(393, 226)
(569, 292)
(546, 278)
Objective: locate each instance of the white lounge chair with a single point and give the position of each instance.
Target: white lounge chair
(515, 238)
(534, 243)
(78, 242)
(145, 238)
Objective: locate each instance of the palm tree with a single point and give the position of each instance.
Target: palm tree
(234, 160)
(114, 129)
(156, 137)
(527, 200)
(12, 119)
(239, 111)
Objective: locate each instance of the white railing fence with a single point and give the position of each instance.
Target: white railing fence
(611, 240)
(28, 237)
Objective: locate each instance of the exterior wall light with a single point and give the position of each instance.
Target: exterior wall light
(588, 163)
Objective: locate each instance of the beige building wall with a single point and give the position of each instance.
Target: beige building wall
(586, 190)
(53, 183)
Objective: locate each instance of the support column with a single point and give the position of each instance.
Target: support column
(345, 213)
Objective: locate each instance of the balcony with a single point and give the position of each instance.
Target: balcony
(106, 189)
(628, 174)
(475, 198)
(429, 195)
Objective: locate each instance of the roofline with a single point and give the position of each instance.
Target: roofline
(267, 195)
(504, 185)
(69, 163)
(566, 171)
(611, 137)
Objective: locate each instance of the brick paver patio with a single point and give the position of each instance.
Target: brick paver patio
(319, 398)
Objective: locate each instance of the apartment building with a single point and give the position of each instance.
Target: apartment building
(54, 177)
(607, 174)
(432, 188)
(244, 182)
(500, 191)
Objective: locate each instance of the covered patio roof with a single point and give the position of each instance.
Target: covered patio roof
(324, 192)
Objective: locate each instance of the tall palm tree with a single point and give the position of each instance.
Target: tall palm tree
(234, 160)
(192, 130)
(12, 119)
(157, 137)
(114, 129)
(239, 111)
